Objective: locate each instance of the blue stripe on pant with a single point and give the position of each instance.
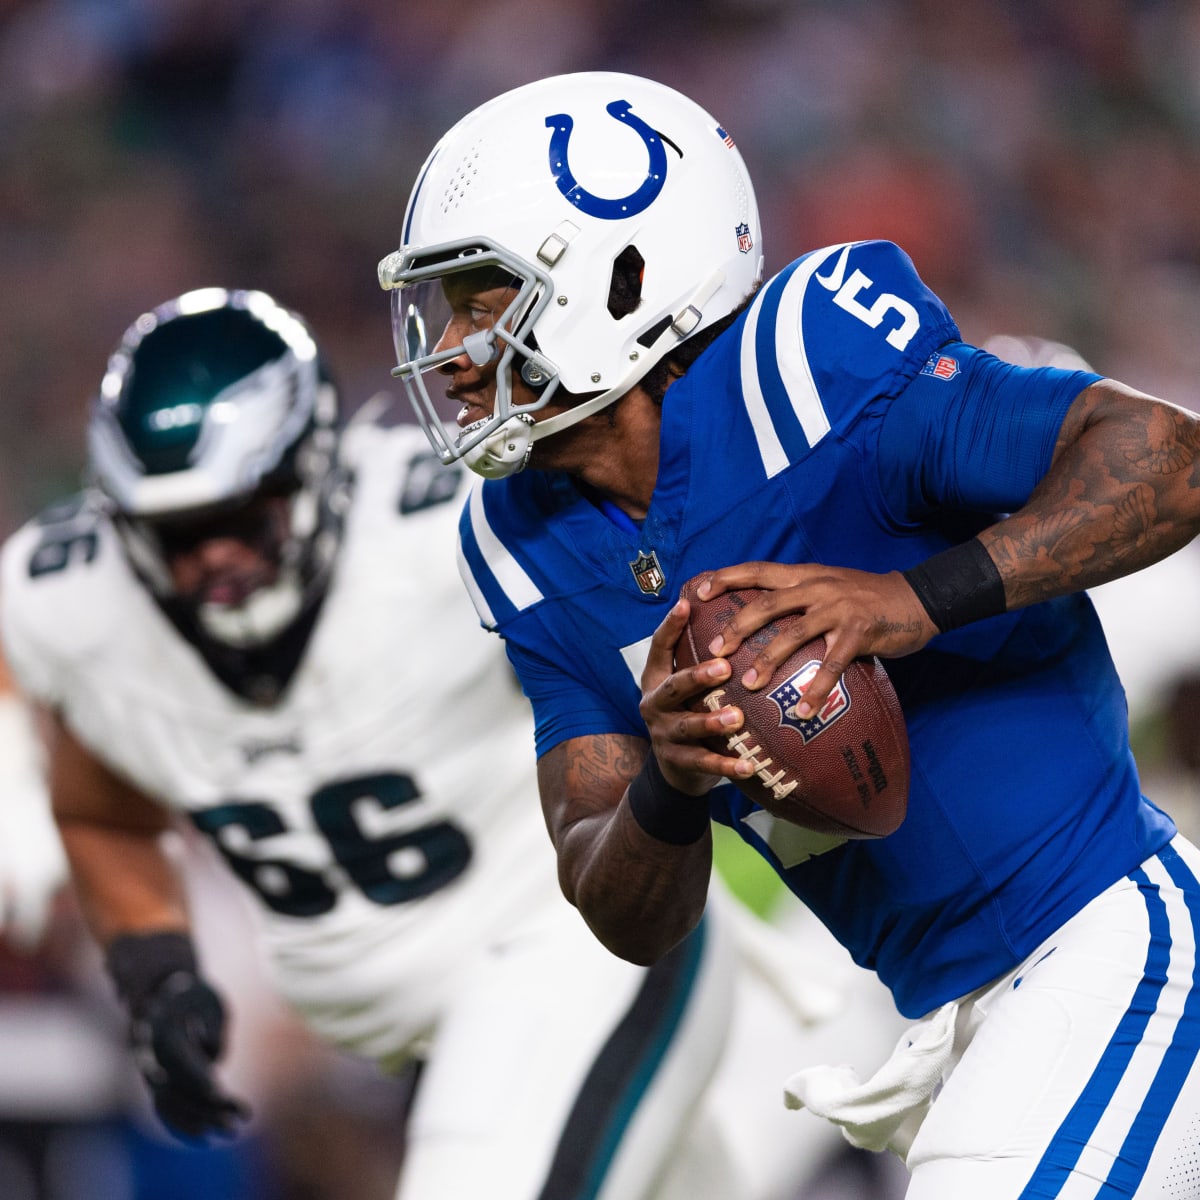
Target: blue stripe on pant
(1071, 1137)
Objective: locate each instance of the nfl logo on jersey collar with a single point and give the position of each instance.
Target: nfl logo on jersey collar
(648, 573)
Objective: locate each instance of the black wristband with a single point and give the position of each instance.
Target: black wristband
(663, 811)
(958, 585)
(140, 962)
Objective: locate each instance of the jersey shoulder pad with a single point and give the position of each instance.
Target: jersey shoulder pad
(400, 528)
(398, 470)
(834, 332)
(64, 585)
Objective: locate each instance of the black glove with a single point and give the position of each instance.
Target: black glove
(176, 1030)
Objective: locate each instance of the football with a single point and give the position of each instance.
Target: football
(842, 771)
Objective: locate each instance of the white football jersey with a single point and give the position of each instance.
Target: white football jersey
(384, 811)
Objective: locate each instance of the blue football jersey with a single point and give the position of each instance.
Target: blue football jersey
(842, 421)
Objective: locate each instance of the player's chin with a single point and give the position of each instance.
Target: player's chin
(232, 594)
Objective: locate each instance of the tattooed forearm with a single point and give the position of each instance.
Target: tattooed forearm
(606, 756)
(1172, 443)
(594, 771)
(1123, 492)
(639, 895)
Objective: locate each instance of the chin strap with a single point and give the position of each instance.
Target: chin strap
(572, 416)
(682, 324)
(507, 450)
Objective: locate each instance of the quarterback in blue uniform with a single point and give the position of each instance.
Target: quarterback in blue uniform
(580, 272)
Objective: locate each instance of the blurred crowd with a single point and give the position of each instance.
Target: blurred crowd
(1039, 159)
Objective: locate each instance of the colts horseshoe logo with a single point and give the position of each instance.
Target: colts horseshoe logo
(588, 202)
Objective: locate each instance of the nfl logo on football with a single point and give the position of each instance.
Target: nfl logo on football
(745, 241)
(787, 695)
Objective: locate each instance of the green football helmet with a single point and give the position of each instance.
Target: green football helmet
(210, 401)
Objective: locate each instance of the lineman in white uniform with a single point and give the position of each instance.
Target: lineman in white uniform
(244, 621)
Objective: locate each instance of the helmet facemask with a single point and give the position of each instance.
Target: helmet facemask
(214, 421)
(435, 321)
(294, 525)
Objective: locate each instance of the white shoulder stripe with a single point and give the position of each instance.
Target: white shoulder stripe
(519, 589)
(486, 617)
(793, 366)
(791, 352)
(769, 448)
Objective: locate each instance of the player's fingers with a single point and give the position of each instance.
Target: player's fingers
(745, 575)
(776, 651)
(688, 720)
(703, 754)
(813, 599)
(816, 692)
(676, 691)
(660, 660)
(759, 608)
(848, 633)
(727, 766)
(717, 719)
(685, 729)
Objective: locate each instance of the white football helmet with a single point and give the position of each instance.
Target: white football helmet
(547, 186)
(210, 400)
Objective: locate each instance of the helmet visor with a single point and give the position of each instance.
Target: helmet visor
(481, 306)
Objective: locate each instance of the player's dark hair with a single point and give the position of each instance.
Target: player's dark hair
(660, 376)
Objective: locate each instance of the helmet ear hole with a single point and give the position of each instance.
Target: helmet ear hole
(625, 284)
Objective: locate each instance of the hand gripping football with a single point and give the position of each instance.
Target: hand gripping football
(843, 771)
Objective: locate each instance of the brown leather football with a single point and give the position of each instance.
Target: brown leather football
(843, 771)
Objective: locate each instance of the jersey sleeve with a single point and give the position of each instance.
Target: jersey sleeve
(59, 595)
(563, 706)
(971, 432)
(834, 335)
(868, 324)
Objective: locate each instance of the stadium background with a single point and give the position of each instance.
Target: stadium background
(1039, 159)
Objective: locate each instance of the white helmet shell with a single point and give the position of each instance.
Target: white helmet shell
(554, 180)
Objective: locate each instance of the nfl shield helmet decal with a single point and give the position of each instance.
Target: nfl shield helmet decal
(648, 573)
(787, 695)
